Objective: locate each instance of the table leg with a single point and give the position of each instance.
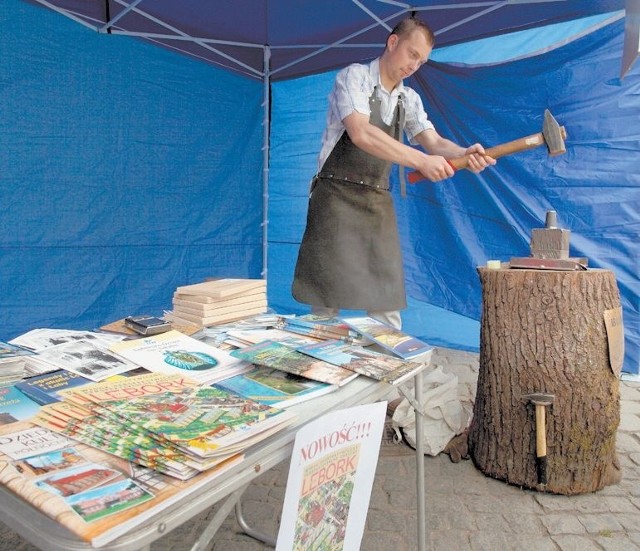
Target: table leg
(214, 525)
(250, 531)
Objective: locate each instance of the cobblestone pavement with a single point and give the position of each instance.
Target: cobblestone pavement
(465, 509)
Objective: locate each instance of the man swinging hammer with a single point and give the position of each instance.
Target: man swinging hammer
(350, 255)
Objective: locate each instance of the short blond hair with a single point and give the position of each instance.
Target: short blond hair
(408, 25)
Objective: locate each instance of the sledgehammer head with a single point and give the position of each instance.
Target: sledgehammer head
(554, 134)
(539, 398)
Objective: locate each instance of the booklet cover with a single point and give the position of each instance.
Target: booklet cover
(391, 339)
(43, 389)
(330, 327)
(280, 356)
(87, 358)
(15, 406)
(175, 353)
(274, 387)
(331, 474)
(382, 367)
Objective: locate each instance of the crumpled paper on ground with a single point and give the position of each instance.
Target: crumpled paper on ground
(444, 414)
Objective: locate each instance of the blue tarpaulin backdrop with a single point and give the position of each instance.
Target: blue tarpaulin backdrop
(128, 170)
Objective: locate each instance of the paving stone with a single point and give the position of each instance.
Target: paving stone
(449, 539)
(563, 523)
(492, 523)
(627, 443)
(629, 422)
(385, 541)
(620, 505)
(617, 542)
(521, 543)
(527, 524)
(491, 541)
(576, 543)
(598, 523)
(630, 406)
(552, 503)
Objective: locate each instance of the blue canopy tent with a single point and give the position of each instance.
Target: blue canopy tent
(130, 170)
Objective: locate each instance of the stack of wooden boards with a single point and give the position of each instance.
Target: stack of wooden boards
(219, 301)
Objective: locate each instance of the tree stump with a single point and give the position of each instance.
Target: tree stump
(543, 331)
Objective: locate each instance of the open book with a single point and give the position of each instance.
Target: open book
(391, 339)
(280, 356)
(379, 366)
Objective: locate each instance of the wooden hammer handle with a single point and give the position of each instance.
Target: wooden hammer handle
(497, 151)
(541, 444)
(541, 436)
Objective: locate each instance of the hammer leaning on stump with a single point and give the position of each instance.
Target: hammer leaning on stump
(541, 401)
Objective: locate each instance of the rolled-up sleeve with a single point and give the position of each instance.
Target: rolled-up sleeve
(416, 119)
(352, 90)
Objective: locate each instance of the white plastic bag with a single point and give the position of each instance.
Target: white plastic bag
(444, 414)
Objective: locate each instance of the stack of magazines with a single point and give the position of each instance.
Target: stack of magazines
(168, 423)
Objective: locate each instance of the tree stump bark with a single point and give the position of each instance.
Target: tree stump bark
(543, 331)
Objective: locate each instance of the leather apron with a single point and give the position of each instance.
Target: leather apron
(350, 254)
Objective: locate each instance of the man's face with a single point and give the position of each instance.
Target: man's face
(407, 53)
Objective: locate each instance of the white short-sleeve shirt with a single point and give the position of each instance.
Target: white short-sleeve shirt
(351, 92)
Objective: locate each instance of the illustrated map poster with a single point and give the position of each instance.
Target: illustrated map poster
(332, 469)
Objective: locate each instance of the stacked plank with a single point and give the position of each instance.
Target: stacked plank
(219, 301)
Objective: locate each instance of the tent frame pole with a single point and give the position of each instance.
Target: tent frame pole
(266, 125)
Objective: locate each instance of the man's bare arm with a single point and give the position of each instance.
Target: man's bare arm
(434, 143)
(376, 142)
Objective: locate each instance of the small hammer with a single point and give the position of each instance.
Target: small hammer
(541, 401)
(553, 135)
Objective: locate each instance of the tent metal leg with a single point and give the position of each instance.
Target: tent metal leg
(250, 531)
(417, 402)
(422, 540)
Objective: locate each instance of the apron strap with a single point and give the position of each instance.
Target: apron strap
(400, 138)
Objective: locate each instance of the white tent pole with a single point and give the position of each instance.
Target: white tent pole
(631, 48)
(266, 125)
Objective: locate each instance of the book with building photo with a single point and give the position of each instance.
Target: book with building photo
(87, 358)
(391, 339)
(280, 356)
(111, 435)
(94, 494)
(376, 365)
